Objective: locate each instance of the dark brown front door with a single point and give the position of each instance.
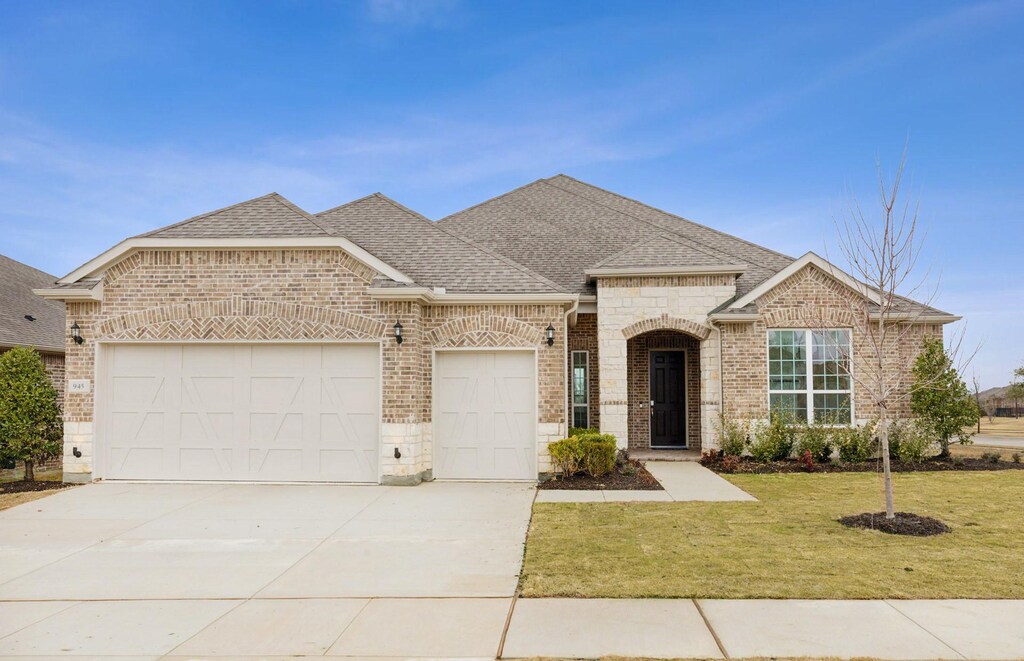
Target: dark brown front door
(668, 399)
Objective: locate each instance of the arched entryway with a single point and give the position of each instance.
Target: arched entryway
(664, 383)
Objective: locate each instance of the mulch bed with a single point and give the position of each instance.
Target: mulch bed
(905, 523)
(21, 486)
(631, 476)
(933, 464)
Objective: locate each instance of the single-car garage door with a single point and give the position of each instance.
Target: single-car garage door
(263, 412)
(485, 415)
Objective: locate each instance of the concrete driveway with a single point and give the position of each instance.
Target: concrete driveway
(202, 569)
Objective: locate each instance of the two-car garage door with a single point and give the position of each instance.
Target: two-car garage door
(261, 412)
(301, 412)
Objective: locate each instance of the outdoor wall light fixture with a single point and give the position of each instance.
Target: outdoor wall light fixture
(398, 453)
(551, 334)
(76, 452)
(398, 332)
(76, 333)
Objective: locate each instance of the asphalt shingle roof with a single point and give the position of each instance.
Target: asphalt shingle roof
(268, 216)
(663, 251)
(17, 281)
(429, 254)
(561, 227)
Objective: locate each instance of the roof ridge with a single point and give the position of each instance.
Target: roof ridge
(288, 204)
(492, 199)
(473, 244)
(667, 213)
(202, 215)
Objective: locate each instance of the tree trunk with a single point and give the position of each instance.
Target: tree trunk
(30, 472)
(883, 437)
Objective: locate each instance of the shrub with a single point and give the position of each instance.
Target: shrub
(591, 453)
(991, 457)
(30, 420)
(598, 453)
(566, 455)
(579, 431)
(1016, 456)
(855, 443)
(732, 436)
(815, 438)
(807, 461)
(774, 441)
(909, 441)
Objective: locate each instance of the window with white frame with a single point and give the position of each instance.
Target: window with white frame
(809, 375)
(580, 389)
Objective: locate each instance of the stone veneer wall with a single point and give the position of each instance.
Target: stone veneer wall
(638, 349)
(583, 337)
(630, 306)
(810, 298)
(300, 294)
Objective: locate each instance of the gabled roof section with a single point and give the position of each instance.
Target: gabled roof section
(665, 254)
(269, 216)
(808, 259)
(561, 227)
(431, 255)
(17, 281)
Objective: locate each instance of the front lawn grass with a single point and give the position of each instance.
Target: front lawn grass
(789, 544)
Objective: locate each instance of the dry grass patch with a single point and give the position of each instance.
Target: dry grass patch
(1002, 427)
(788, 545)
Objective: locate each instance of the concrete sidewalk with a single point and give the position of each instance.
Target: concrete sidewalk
(683, 628)
(473, 628)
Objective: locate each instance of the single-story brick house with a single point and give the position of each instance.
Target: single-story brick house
(367, 343)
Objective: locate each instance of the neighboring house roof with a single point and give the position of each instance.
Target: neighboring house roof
(429, 254)
(269, 216)
(17, 281)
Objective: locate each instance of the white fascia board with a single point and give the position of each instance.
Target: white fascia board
(120, 251)
(426, 295)
(809, 258)
(94, 293)
(724, 269)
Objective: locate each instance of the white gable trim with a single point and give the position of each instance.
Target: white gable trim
(808, 259)
(652, 271)
(98, 265)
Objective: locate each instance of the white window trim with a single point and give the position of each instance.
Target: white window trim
(586, 386)
(809, 390)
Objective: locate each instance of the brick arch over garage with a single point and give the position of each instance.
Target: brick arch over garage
(240, 318)
(485, 330)
(665, 322)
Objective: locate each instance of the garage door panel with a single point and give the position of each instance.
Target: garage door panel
(484, 415)
(241, 412)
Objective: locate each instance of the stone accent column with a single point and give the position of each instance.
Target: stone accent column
(710, 390)
(614, 386)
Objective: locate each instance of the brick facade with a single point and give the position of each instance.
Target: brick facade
(810, 298)
(304, 294)
(638, 350)
(583, 337)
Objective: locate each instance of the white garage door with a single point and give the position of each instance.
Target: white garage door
(270, 412)
(485, 415)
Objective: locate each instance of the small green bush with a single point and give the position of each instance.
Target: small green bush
(991, 457)
(909, 441)
(732, 437)
(1016, 456)
(855, 444)
(591, 453)
(774, 441)
(579, 431)
(565, 455)
(815, 438)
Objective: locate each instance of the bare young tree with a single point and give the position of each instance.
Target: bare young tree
(881, 253)
(977, 400)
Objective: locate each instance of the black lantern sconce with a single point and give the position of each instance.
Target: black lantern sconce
(398, 332)
(551, 334)
(76, 333)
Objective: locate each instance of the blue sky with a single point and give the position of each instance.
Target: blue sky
(754, 118)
